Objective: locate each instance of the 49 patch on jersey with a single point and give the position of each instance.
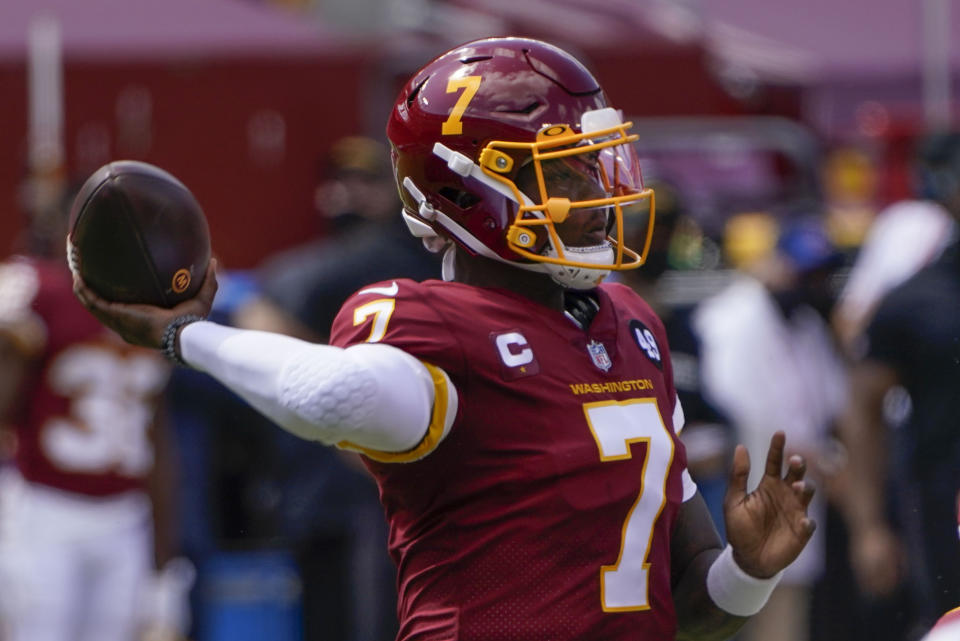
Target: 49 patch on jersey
(645, 340)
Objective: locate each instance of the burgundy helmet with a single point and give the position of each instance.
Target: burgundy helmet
(477, 117)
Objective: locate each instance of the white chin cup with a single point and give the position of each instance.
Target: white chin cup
(580, 277)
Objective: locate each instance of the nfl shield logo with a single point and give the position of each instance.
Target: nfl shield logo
(598, 353)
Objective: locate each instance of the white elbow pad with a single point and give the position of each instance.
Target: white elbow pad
(371, 397)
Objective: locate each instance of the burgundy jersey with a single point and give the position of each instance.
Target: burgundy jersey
(546, 513)
(85, 409)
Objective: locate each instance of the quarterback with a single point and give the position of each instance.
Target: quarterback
(519, 416)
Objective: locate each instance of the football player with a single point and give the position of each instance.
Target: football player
(78, 504)
(900, 426)
(519, 416)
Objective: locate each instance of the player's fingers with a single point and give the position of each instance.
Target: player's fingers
(79, 290)
(86, 296)
(796, 468)
(206, 293)
(804, 491)
(775, 454)
(806, 528)
(737, 488)
(210, 285)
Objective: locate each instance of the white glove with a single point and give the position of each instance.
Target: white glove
(165, 602)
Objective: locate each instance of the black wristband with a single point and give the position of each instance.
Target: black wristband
(168, 342)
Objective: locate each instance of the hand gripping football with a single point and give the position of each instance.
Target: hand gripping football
(137, 235)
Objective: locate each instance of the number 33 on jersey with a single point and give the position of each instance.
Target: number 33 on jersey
(84, 424)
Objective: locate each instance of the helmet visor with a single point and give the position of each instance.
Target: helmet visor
(589, 180)
(588, 186)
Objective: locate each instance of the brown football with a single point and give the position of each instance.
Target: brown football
(137, 235)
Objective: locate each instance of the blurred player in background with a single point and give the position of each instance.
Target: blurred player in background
(520, 419)
(903, 237)
(906, 375)
(673, 282)
(90, 469)
(769, 362)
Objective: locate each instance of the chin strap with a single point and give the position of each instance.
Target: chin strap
(449, 258)
(431, 239)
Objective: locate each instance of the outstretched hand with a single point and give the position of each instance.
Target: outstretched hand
(144, 324)
(768, 527)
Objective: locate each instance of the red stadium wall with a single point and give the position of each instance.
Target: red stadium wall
(202, 125)
(13, 134)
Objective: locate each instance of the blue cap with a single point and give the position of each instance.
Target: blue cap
(807, 245)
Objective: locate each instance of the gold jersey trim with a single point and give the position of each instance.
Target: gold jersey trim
(430, 440)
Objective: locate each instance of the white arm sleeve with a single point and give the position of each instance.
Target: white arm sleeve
(370, 397)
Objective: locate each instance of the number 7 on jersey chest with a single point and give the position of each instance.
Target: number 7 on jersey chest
(616, 425)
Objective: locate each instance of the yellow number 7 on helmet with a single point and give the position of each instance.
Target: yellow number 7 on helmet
(452, 125)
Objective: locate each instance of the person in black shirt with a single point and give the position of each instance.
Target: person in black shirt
(907, 374)
(303, 287)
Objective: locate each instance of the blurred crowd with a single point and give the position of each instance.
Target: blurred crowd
(804, 304)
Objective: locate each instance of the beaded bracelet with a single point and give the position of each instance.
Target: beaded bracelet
(168, 342)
